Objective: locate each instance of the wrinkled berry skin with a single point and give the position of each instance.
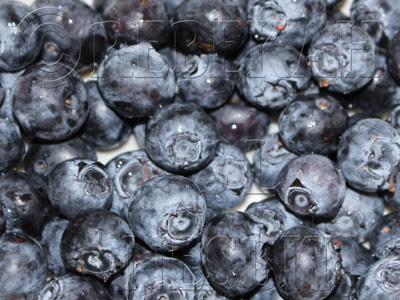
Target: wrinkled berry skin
(77, 185)
(381, 280)
(50, 241)
(240, 124)
(23, 267)
(385, 236)
(226, 180)
(162, 278)
(207, 81)
(272, 76)
(50, 102)
(181, 138)
(73, 33)
(41, 159)
(235, 253)
(274, 215)
(342, 58)
(286, 22)
(356, 217)
(130, 22)
(167, 212)
(313, 124)
(128, 171)
(382, 93)
(379, 18)
(311, 186)
(21, 36)
(12, 146)
(300, 252)
(269, 160)
(369, 155)
(104, 129)
(73, 286)
(97, 242)
(25, 199)
(136, 80)
(210, 26)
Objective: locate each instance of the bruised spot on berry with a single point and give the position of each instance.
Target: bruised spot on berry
(325, 138)
(199, 11)
(79, 269)
(19, 240)
(68, 101)
(386, 229)
(41, 165)
(323, 105)
(392, 186)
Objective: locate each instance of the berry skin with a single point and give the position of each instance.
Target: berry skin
(235, 249)
(381, 280)
(167, 212)
(313, 124)
(134, 82)
(23, 267)
(73, 286)
(181, 138)
(300, 252)
(226, 180)
(162, 278)
(311, 186)
(12, 146)
(77, 185)
(50, 102)
(385, 236)
(98, 243)
(369, 155)
(129, 171)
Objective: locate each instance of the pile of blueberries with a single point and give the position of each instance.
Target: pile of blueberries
(198, 83)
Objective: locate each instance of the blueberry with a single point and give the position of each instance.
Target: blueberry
(192, 258)
(41, 158)
(73, 33)
(6, 108)
(381, 280)
(346, 289)
(207, 81)
(12, 146)
(271, 76)
(73, 286)
(25, 198)
(382, 93)
(181, 138)
(162, 278)
(235, 253)
(311, 186)
(356, 217)
(23, 267)
(50, 241)
(97, 242)
(104, 129)
(167, 225)
(380, 18)
(369, 155)
(392, 196)
(210, 26)
(240, 124)
(394, 117)
(266, 291)
(3, 90)
(286, 22)
(305, 263)
(385, 236)
(78, 185)
(129, 171)
(342, 58)
(393, 57)
(136, 80)
(133, 21)
(21, 36)
(50, 102)
(269, 160)
(275, 217)
(312, 124)
(226, 180)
